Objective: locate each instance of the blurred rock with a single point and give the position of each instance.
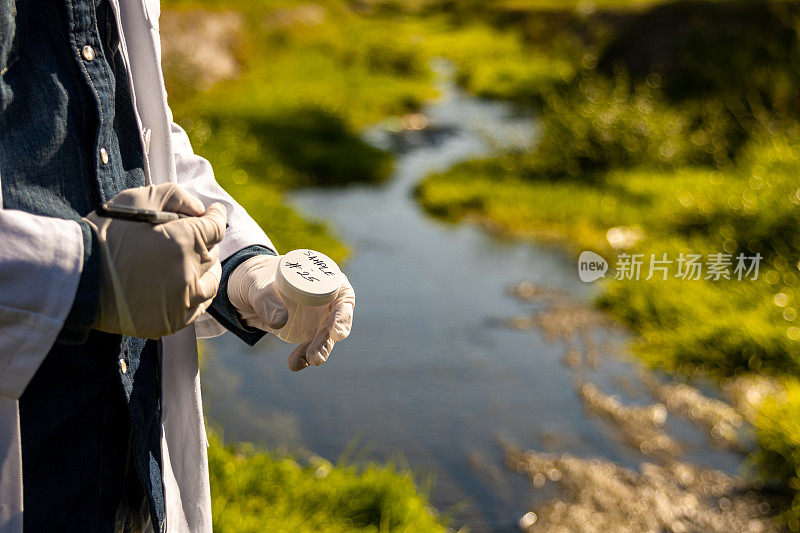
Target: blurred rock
(564, 319)
(302, 15)
(199, 47)
(720, 419)
(641, 425)
(534, 292)
(624, 237)
(748, 391)
(598, 496)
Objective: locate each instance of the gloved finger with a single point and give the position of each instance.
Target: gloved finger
(208, 256)
(343, 309)
(175, 198)
(270, 307)
(341, 321)
(205, 287)
(194, 312)
(321, 337)
(211, 226)
(168, 196)
(318, 353)
(133, 197)
(297, 359)
(252, 320)
(145, 197)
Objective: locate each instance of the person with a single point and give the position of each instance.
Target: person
(101, 425)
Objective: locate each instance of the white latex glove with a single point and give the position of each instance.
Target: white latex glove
(315, 329)
(158, 279)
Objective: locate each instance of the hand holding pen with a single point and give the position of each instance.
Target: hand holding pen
(159, 277)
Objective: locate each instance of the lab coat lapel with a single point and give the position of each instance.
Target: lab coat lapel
(11, 466)
(183, 443)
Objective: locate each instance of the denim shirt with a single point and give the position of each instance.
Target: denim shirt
(90, 418)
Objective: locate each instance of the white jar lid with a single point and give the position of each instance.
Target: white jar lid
(308, 277)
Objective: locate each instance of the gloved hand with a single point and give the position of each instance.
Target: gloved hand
(315, 329)
(158, 279)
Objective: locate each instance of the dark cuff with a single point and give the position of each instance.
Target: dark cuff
(223, 310)
(87, 299)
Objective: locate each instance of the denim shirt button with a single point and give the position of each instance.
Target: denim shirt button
(88, 53)
(104, 156)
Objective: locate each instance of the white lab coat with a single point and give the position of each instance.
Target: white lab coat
(40, 264)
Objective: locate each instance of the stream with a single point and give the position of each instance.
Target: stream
(432, 376)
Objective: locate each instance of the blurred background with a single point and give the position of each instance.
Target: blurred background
(455, 157)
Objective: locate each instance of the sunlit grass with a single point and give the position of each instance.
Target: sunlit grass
(492, 63)
(257, 491)
(722, 326)
(778, 425)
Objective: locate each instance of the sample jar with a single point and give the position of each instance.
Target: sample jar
(308, 277)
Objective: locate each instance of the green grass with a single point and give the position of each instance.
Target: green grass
(778, 425)
(494, 64)
(256, 491)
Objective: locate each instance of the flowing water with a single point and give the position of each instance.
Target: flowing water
(431, 373)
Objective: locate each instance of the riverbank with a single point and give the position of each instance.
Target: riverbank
(254, 490)
(656, 141)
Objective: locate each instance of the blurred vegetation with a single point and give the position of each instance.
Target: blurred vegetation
(255, 491)
(677, 122)
(290, 86)
(778, 426)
